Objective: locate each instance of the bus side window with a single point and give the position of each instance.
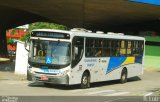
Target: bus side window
(106, 52)
(77, 50)
(106, 48)
(99, 47)
(141, 48)
(90, 47)
(115, 48)
(122, 48)
(129, 48)
(135, 48)
(98, 53)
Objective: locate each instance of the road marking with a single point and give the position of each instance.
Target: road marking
(148, 94)
(79, 90)
(98, 92)
(117, 94)
(113, 100)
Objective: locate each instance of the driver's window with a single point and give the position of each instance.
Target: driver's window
(77, 50)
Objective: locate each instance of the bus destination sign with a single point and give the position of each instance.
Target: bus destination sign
(50, 34)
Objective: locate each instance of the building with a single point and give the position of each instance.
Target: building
(15, 34)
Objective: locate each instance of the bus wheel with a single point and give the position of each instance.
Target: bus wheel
(29, 77)
(85, 81)
(123, 76)
(47, 84)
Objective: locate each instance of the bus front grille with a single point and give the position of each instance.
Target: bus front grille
(46, 73)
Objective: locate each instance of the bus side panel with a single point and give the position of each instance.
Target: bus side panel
(113, 75)
(132, 69)
(75, 74)
(116, 64)
(103, 69)
(135, 70)
(99, 72)
(95, 66)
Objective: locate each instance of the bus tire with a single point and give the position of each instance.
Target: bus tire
(85, 80)
(47, 84)
(123, 76)
(29, 77)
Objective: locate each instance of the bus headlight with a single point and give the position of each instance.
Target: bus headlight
(31, 71)
(63, 73)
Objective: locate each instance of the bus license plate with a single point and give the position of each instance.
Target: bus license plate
(44, 78)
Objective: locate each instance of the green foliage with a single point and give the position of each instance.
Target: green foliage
(152, 38)
(42, 25)
(152, 50)
(24, 38)
(10, 42)
(45, 25)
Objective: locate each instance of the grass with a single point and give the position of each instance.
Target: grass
(152, 50)
(152, 38)
(152, 62)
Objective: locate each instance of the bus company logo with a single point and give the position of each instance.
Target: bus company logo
(90, 60)
(9, 99)
(90, 65)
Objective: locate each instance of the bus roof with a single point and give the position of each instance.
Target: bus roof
(96, 35)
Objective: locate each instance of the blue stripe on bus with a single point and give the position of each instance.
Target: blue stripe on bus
(138, 59)
(44, 70)
(153, 2)
(115, 62)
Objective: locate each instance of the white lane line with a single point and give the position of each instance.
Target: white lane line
(148, 94)
(97, 92)
(79, 90)
(117, 94)
(113, 100)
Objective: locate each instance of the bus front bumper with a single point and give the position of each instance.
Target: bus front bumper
(64, 80)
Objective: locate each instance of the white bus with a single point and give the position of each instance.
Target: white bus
(78, 57)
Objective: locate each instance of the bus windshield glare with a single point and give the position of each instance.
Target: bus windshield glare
(49, 52)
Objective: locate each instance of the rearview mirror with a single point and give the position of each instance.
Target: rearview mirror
(26, 45)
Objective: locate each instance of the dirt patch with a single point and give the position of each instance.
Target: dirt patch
(11, 76)
(152, 69)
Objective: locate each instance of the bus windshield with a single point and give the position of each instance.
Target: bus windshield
(49, 52)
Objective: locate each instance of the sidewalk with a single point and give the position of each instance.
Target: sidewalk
(11, 76)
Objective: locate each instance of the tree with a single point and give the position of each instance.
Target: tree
(37, 25)
(42, 25)
(10, 42)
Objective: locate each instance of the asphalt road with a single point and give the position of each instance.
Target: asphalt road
(145, 85)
